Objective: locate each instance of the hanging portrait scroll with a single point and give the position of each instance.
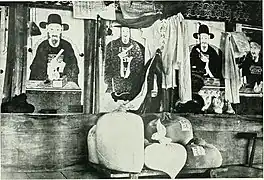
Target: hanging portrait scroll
(204, 44)
(122, 67)
(55, 59)
(57, 39)
(206, 59)
(251, 64)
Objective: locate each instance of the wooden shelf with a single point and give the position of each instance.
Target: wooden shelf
(251, 94)
(213, 87)
(56, 90)
(40, 86)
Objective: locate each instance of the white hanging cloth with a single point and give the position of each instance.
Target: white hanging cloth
(231, 71)
(170, 36)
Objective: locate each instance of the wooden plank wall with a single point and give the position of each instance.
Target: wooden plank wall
(249, 105)
(37, 143)
(58, 142)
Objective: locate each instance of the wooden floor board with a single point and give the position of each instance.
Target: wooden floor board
(14, 175)
(236, 172)
(260, 166)
(51, 175)
(46, 175)
(80, 175)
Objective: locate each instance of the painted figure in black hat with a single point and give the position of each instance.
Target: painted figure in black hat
(124, 65)
(252, 66)
(205, 61)
(55, 56)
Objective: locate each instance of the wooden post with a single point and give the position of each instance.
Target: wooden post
(16, 50)
(100, 37)
(89, 59)
(2, 48)
(96, 68)
(10, 55)
(20, 42)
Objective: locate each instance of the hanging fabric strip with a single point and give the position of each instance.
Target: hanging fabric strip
(141, 22)
(185, 92)
(137, 9)
(230, 71)
(170, 35)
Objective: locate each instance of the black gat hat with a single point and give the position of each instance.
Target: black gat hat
(203, 29)
(54, 18)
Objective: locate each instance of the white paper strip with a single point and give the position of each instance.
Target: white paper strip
(185, 126)
(90, 10)
(198, 151)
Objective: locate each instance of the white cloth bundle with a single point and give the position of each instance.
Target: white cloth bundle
(203, 155)
(165, 156)
(91, 142)
(120, 141)
(178, 129)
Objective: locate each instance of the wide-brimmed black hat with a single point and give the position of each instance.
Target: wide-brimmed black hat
(54, 18)
(203, 29)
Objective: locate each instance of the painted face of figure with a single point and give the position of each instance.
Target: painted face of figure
(54, 34)
(125, 35)
(204, 41)
(254, 49)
